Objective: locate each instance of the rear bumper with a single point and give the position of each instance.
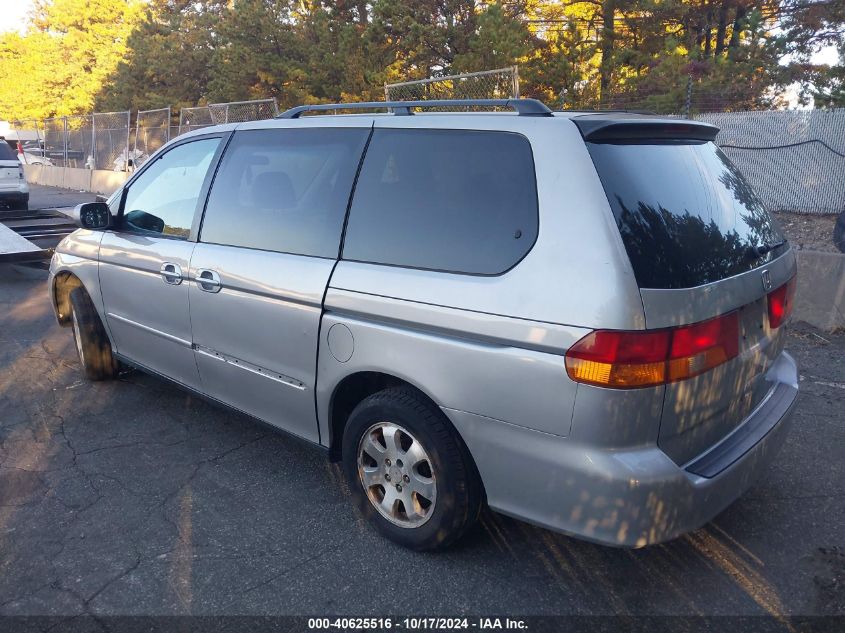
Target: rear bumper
(17, 193)
(628, 498)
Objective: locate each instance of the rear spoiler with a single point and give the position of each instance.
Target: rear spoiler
(610, 127)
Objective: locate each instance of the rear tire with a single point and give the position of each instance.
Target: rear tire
(422, 489)
(92, 342)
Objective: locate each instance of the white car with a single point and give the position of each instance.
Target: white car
(33, 159)
(14, 191)
(33, 154)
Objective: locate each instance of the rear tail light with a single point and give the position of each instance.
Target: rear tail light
(626, 360)
(780, 303)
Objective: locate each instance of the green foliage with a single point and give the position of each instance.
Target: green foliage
(830, 86)
(169, 61)
(62, 63)
(78, 55)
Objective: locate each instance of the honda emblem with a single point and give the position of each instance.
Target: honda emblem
(767, 280)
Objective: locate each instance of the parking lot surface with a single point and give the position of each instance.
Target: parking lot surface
(41, 197)
(133, 497)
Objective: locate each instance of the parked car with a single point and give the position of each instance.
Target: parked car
(34, 154)
(575, 318)
(14, 190)
(33, 159)
(31, 155)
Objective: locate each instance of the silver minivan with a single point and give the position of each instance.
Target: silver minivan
(574, 318)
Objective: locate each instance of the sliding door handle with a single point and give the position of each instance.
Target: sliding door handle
(208, 280)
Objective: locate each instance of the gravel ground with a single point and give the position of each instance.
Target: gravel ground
(808, 231)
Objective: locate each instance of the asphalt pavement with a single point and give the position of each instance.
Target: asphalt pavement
(41, 197)
(132, 497)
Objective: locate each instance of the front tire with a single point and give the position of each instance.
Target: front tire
(92, 342)
(410, 474)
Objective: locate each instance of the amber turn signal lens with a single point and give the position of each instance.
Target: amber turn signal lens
(644, 358)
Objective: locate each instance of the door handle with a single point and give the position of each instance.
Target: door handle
(171, 273)
(208, 280)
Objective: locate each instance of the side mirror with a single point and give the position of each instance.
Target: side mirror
(144, 221)
(95, 216)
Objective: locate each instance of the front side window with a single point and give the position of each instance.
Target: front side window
(448, 200)
(163, 199)
(284, 190)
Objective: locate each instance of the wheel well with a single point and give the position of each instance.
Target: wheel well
(352, 390)
(62, 285)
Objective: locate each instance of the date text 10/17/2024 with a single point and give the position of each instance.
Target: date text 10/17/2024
(416, 624)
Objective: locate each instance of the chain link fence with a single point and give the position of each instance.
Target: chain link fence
(794, 159)
(28, 133)
(91, 141)
(152, 130)
(234, 112)
(108, 140)
(683, 99)
(111, 141)
(194, 118)
(79, 146)
(500, 83)
(242, 111)
(55, 140)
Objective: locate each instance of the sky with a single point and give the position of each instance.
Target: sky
(13, 14)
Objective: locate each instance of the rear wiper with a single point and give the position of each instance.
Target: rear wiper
(759, 251)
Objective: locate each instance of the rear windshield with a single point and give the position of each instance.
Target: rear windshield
(6, 152)
(686, 215)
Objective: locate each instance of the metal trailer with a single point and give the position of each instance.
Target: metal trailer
(31, 236)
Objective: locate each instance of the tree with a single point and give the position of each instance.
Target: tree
(28, 85)
(170, 57)
(501, 38)
(425, 37)
(829, 91)
(259, 54)
(651, 54)
(61, 63)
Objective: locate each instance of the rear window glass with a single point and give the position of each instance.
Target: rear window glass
(450, 200)
(686, 215)
(6, 152)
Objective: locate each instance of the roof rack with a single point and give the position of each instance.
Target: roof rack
(523, 107)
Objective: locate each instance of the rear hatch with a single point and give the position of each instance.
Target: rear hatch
(9, 167)
(701, 245)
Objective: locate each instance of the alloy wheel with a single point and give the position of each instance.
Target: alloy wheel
(397, 475)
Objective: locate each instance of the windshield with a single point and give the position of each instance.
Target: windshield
(686, 215)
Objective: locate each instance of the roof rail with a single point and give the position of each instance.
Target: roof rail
(523, 107)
